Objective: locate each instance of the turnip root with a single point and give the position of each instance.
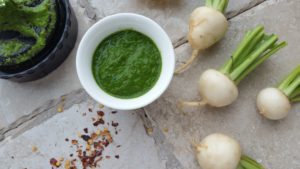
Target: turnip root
(275, 103)
(219, 88)
(219, 151)
(207, 25)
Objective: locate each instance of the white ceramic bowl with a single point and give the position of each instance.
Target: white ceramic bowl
(103, 29)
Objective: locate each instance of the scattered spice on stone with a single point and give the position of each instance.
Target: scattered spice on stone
(34, 149)
(114, 124)
(91, 152)
(55, 162)
(74, 142)
(100, 113)
(114, 112)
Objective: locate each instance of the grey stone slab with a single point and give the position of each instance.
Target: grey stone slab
(137, 148)
(275, 144)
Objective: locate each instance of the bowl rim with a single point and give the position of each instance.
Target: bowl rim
(160, 88)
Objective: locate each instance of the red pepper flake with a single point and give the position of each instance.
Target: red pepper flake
(114, 124)
(85, 137)
(74, 142)
(99, 121)
(54, 162)
(100, 113)
(90, 153)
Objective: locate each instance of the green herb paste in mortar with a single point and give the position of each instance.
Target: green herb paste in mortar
(25, 26)
(127, 64)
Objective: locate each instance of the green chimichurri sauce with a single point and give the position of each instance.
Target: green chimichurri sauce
(32, 23)
(126, 64)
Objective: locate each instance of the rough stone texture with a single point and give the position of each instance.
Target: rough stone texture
(275, 144)
(21, 99)
(49, 138)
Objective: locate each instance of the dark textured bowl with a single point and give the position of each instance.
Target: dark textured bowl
(55, 52)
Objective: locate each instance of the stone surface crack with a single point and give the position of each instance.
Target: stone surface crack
(163, 146)
(42, 113)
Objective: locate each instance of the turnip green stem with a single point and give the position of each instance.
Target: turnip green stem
(219, 5)
(260, 61)
(253, 50)
(291, 85)
(248, 163)
(296, 93)
(296, 99)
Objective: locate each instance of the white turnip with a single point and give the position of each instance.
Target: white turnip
(207, 25)
(275, 103)
(219, 151)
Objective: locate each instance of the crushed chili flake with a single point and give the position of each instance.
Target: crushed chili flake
(74, 142)
(100, 113)
(91, 152)
(66, 139)
(118, 146)
(99, 121)
(55, 162)
(117, 156)
(114, 124)
(85, 137)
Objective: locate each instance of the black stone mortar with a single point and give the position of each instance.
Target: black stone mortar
(55, 52)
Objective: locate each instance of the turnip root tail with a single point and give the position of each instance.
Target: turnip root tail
(184, 67)
(181, 104)
(196, 145)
